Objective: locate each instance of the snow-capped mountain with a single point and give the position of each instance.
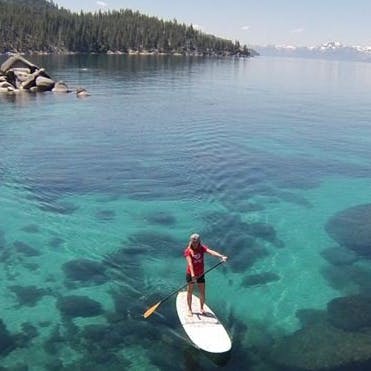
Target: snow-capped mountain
(331, 50)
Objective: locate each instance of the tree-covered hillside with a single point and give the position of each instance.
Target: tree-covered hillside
(43, 26)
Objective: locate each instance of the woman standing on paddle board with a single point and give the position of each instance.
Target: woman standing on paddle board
(194, 254)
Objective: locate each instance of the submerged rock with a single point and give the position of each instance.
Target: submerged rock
(323, 347)
(79, 306)
(352, 229)
(105, 215)
(81, 92)
(260, 279)
(2, 239)
(161, 218)
(25, 249)
(31, 228)
(85, 270)
(60, 87)
(7, 343)
(339, 255)
(350, 313)
(28, 295)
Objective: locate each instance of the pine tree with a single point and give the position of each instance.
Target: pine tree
(40, 25)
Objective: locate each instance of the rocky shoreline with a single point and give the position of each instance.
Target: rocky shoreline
(18, 74)
(187, 53)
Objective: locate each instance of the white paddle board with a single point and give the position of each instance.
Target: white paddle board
(204, 330)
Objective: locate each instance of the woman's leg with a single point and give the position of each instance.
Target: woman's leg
(189, 297)
(201, 288)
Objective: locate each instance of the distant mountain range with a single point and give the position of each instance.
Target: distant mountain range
(331, 50)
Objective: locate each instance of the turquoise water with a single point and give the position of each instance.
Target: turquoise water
(99, 195)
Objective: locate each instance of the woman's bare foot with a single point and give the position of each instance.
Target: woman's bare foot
(203, 311)
(189, 313)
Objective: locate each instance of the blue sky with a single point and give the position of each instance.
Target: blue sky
(258, 22)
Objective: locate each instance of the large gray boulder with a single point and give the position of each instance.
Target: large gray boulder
(17, 73)
(24, 75)
(21, 74)
(6, 87)
(17, 61)
(81, 92)
(44, 83)
(60, 87)
(31, 79)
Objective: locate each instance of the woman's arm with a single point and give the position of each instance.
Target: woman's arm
(189, 261)
(215, 253)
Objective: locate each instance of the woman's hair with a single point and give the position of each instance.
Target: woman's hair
(192, 238)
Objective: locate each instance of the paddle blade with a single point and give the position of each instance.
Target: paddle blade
(149, 311)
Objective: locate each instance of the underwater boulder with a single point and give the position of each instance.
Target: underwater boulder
(85, 270)
(28, 295)
(263, 230)
(79, 306)
(105, 215)
(339, 255)
(2, 239)
(350, 313)
(321, 347)
(246, 256)
(31, 228)
(95, 333)
(259, 279)
(266, 232)
(25, 249)
(103, 336)
(63, 208)
(156, 242)
(161, 218)
(56, 242)
(7, 343)
(311, 316)
(352, 229)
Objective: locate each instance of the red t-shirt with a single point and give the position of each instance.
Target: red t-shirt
(197, 259)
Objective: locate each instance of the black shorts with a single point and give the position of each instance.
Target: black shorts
(200, 279)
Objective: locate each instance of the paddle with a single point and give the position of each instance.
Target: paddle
(152, 309)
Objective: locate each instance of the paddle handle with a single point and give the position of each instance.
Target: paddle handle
(152, 309)
(186, 284)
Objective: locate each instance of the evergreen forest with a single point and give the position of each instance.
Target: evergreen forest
(29, 26)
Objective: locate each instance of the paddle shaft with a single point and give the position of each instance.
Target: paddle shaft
(149, 311)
